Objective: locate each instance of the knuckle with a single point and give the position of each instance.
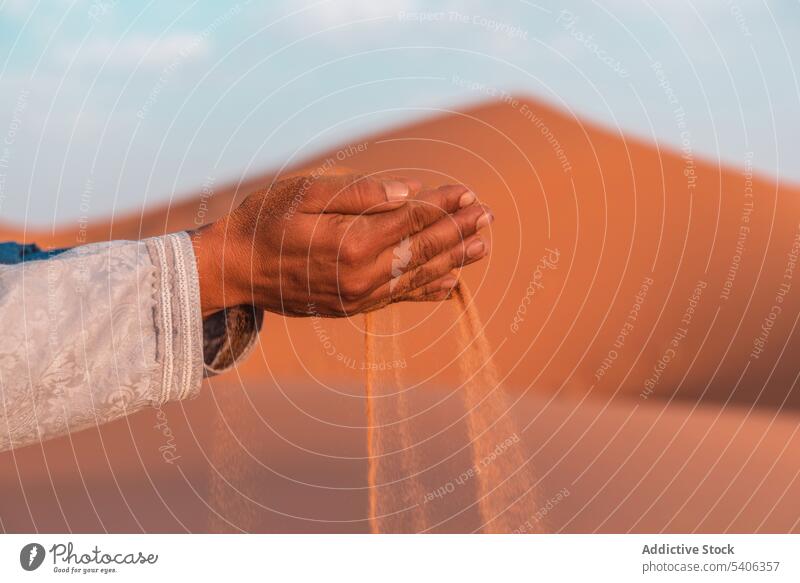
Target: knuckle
(417, 217)
(365, 188)
(458, 255)
(426, 247)
(444, 196)
(352, 253)
(339, 224)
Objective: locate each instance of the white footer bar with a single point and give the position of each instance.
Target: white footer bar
(407, 559)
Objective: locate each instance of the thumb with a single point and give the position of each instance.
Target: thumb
(358, 194)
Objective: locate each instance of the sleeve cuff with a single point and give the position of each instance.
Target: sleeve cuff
(179, 337)
(188, 347)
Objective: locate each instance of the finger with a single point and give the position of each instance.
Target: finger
(471, 250)
(444, 234)
(441, 296)
(439, 289)
(438, 296)
(413, 184)
(353, 194)
(423, 210)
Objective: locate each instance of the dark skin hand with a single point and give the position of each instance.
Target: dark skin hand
(339, 245)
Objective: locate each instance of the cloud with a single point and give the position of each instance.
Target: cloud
(337, 12)
(333, 13)
(136, 51)
(17, 9)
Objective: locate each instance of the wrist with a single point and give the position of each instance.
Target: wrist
(208, 251)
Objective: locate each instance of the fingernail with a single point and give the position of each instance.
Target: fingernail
(449, 283)
(466, 199)
(395, 190)
(475, 249)
(484, 221)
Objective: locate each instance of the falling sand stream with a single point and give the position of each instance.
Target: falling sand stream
(502, 477)
(413, 486)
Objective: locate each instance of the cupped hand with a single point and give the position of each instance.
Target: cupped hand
(339, 245)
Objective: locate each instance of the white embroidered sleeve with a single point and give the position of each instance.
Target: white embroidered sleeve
(104, 330)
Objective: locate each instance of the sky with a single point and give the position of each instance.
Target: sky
(108, 106)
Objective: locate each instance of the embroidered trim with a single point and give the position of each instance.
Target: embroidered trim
(185, 309)
(166, 320)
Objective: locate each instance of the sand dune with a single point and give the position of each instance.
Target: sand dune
(620, 212)
(626, 297)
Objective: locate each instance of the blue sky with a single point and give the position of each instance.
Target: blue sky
(108, 106)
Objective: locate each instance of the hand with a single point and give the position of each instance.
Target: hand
(339, 245)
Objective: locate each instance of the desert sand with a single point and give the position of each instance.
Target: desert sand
(626, 297)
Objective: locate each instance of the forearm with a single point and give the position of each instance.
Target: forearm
(104, 330)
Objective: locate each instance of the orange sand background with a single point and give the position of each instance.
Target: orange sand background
(712, 447)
